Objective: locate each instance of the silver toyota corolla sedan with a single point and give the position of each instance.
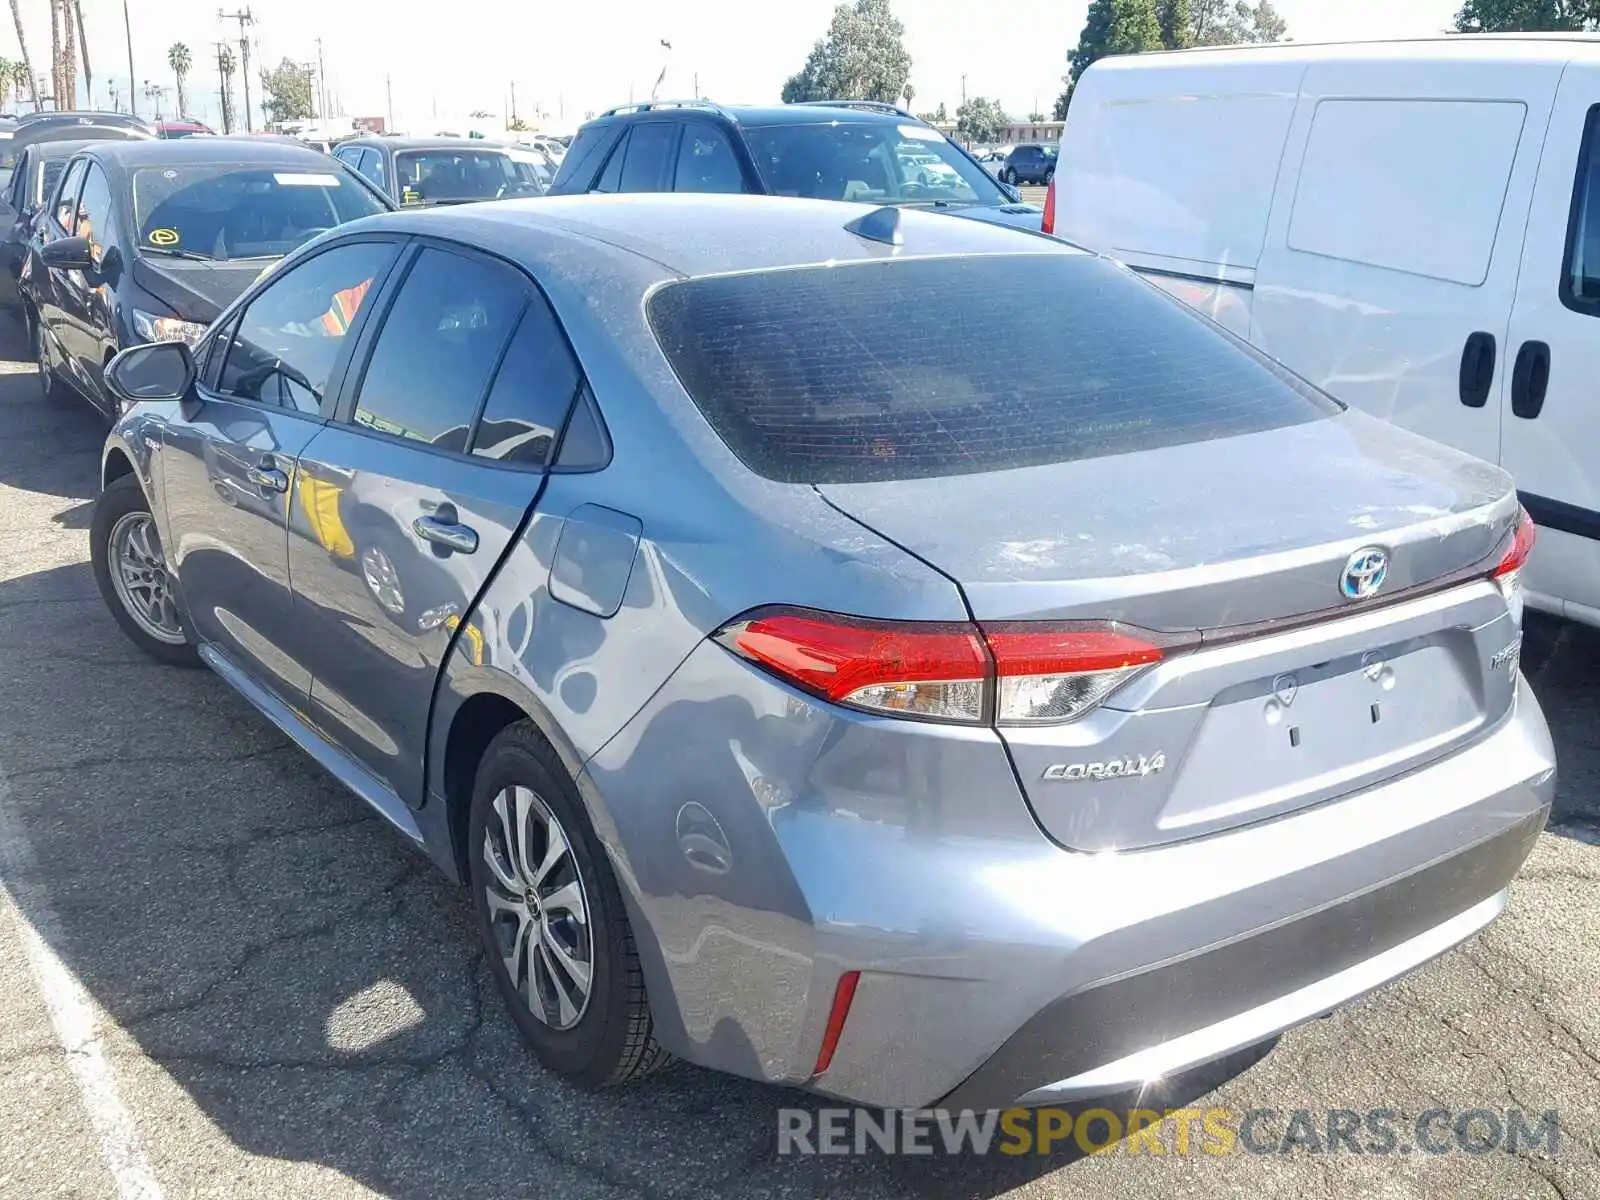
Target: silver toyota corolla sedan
(805, 691)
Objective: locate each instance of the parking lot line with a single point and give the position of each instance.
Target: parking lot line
(72, 1014)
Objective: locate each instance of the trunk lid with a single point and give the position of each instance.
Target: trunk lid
(1290, 693)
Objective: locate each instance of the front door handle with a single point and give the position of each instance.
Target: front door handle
(1530, 378)
(463, 539)
(1477, 369)
(267, 477)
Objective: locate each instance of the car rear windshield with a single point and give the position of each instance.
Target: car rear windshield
(877, 162)
(950, 366)
(226, 212)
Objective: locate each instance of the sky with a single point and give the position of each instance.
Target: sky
(568, 60)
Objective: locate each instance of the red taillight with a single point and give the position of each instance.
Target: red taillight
(843, 994)
(1050, 206)
(920, 669)
(1012, 673)
(1521, 546)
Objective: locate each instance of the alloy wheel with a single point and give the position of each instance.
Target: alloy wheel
(141, 579)
(538, 909)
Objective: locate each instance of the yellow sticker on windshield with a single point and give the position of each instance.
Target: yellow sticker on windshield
(410, 196)
(163, 237)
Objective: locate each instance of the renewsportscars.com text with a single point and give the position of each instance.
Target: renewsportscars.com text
(1183, 1131)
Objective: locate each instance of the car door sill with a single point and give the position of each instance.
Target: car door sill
(355, 777)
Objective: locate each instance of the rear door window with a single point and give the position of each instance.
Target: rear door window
(582, 158)
(438, 347)
(903, 370)
(532, 392)
(707, 161)
(649, 161)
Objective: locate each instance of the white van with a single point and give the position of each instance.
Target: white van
(1414, 226)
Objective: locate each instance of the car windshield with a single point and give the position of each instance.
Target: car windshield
(431, 176)
(875, 162)
(225, 212)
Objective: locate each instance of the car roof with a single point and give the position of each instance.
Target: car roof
(425, 143)
(688, 235)
(233, 151)
(760, 114)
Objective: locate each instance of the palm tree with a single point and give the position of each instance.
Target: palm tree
(909, 95)
(180, 62)
(27, 63)
(5, 82)
(226, 65)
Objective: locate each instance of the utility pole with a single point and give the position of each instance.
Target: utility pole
(133, 88)
(963, 89)
(388, 91)
(322, 81)
(513, 102)
(245, 19)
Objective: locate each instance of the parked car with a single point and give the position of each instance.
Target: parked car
(431, 171)
(1029, 164)
(777, 666)
(49, 118)
(29, 176)
(183, 129)
(1415, 227)
(829, 150)
(149, 240)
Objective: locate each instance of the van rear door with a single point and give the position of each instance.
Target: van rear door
(1551, 422)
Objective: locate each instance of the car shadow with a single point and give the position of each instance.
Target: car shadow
(313, 984)
(1561, 661)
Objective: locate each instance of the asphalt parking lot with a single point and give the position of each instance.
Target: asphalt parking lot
(220, 976)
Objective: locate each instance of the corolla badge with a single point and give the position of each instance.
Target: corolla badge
(1364, 573)
(1137, 766)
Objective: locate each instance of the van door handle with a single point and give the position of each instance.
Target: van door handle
(1530, 378)
(1477, 369)
(446, 533)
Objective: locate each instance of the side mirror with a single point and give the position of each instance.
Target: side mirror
(157, 371)
(67, 254)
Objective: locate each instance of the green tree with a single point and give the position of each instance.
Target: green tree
(1112, 27)
(1234, 23)
(1528, 16)
(1177, 26)
(981, 120)
(288, 92)
(863, 57)
(179, 60)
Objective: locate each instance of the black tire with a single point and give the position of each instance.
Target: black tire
(56, 393)
(123, 497)
(613, 1041)
(1008, 176)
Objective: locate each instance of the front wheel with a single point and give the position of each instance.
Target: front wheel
(55, 391)
(130, 568)
(551, 917)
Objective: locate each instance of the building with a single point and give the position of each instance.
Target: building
(1048, 132)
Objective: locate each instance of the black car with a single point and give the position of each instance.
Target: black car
(149, 241)
(48, 120)
(30, 169)
(1029, 164)
(443, 170)
(827, 150)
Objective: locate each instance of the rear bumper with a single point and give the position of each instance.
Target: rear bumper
(1171, 958)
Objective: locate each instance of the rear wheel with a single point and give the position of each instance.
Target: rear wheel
(130, 567)
(1008, 176)
(551, 917)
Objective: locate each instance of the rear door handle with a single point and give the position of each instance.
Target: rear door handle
(265, 475)
(463, 539)
(1530, 378)
(1477, 369)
